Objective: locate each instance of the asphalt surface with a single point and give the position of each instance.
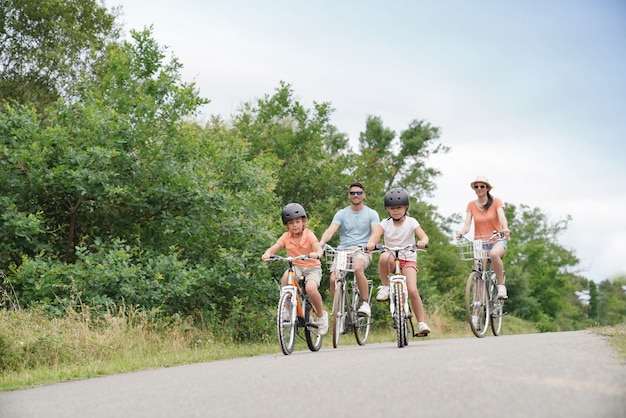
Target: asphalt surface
(566, 374)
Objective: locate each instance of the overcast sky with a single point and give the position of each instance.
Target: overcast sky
(531, 94)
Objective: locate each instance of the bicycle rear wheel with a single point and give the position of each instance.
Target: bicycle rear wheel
(286, 323)
(497, 310)
(477, 304)
(361, 323)
(339, 312)
(311, 332)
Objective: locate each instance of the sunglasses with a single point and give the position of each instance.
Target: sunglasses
(479, 186)
(356, 193)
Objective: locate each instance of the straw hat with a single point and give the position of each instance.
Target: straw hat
(481, 179)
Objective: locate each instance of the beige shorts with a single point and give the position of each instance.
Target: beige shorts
(358, 255)
(309, 273)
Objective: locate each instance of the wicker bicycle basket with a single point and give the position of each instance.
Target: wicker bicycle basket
(472, 250)
(339, 260)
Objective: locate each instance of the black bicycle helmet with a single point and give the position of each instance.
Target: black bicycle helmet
(397, 197)
(293, 211)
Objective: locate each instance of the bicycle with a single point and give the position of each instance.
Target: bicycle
(294, 310)
(399, 306)
(346, 300)
(482, 304)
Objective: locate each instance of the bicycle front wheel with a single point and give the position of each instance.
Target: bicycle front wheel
(361, 323)
(399, 316)
(477, 304)
(311, 332)
(497, 310)
(286, 323)
(339, 312)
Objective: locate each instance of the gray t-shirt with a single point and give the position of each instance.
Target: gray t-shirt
(355, 227)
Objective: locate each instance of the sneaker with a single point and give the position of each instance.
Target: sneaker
(475, 321)
(364, 310)
(383, 293)
(322, 324)
(502, 292)
(423, 328)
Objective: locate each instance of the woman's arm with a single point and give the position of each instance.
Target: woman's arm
(466, 225)
(504, 223)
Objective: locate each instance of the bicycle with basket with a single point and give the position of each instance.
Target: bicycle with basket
(482, 304)
(346, 298)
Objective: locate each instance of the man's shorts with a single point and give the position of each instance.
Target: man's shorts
(360, 255)
(309, 273)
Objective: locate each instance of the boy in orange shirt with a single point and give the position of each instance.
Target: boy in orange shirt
(298, 240)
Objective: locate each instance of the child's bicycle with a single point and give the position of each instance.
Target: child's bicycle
(482, 304)
(294, 310)
(346, 300)
(399, 306)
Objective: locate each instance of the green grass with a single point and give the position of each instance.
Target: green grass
(617, 336)
(36, 349)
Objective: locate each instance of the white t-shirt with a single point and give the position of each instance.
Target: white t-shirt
(401, 236)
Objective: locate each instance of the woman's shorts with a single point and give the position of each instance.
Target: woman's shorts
(488, 247)
(309, 273)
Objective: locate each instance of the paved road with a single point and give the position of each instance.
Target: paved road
(569, 374)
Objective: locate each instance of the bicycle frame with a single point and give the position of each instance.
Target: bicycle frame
(293, 288)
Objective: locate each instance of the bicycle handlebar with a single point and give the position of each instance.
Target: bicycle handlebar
(276, 257)
(412, 247)
(495, 234)
(359, 248)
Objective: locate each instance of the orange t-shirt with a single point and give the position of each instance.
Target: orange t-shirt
(485, 222)
(304, 247)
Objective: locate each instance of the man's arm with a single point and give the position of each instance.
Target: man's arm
(328, 234)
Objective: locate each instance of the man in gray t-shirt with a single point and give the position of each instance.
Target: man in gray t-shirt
(357, 225)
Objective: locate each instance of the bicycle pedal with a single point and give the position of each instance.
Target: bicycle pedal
(422, 334)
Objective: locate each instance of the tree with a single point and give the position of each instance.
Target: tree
(593, 301)
(134, 203)
(110, 162)
(612, 301)
(538, 267)
(312, 156)
(386, 161)
(46, 46)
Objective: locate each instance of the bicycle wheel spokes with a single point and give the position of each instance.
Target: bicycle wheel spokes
(361, 323)
(311, 332)
(339, 314)
(476, 304)
(362, 329)
(497, 311)
(286, 323)
(398, 315)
